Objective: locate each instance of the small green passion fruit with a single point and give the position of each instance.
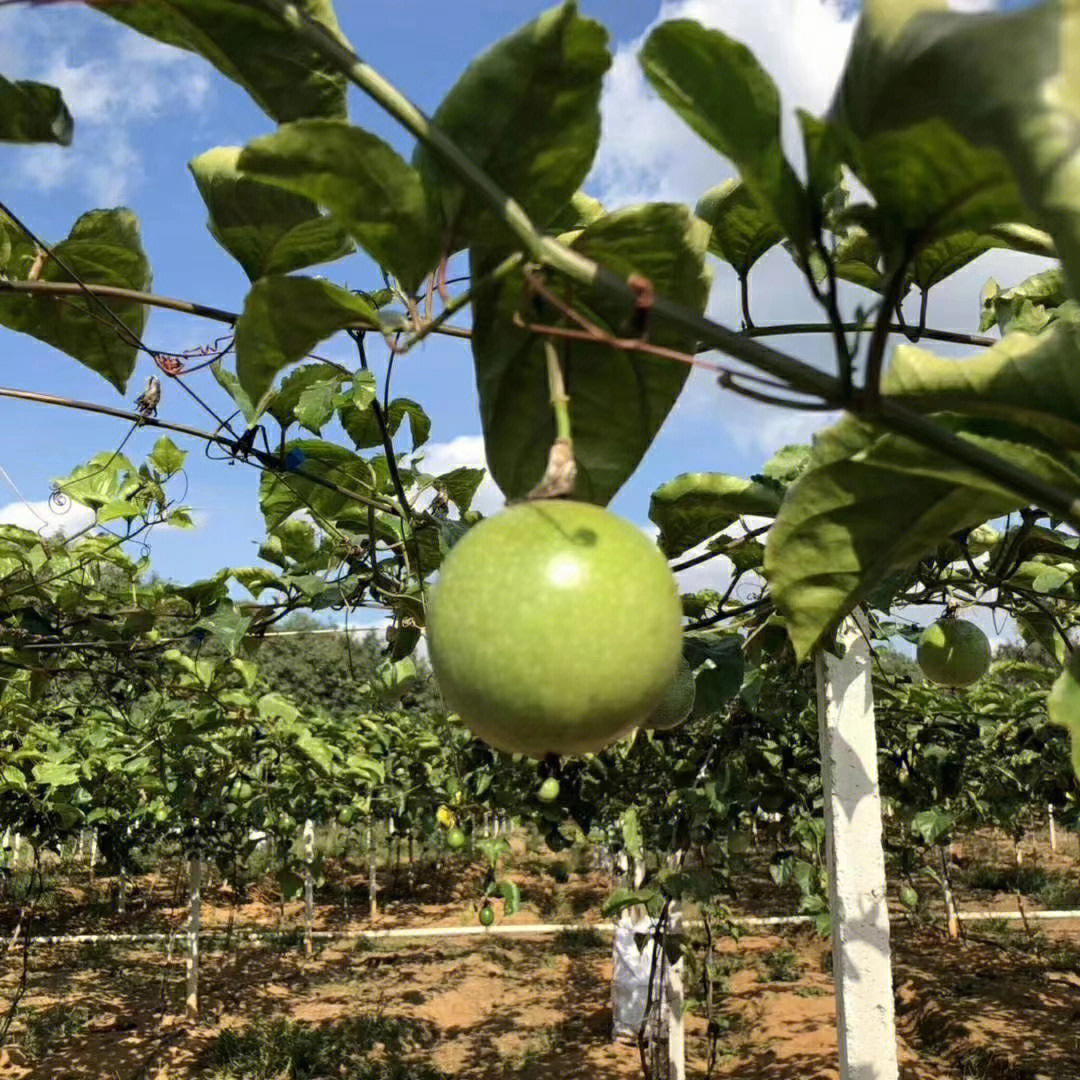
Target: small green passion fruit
(455, 839)
(554, 628)
(953, 652)
(487, 915)
(548, 790)
(675, 705)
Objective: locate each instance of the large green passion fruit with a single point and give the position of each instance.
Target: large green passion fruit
(953, 652)
(554, 628)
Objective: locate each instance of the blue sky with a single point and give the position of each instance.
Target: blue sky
(143, 111)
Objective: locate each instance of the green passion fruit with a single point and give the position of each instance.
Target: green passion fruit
(487, 915)
(953, 652)
(554, 628)
(548, 790)
(455, 839)
(675, 705)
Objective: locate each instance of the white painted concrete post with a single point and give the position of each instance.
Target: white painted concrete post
(191, 1006)
(1053, 829)
(373, 904)
(862, 971)
(676, 1003)
(951, 919)
(309, 882)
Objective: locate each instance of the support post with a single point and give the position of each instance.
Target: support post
(1053, 829)
(373, 904)
(191, 999)
(309, 883)
(676, 1003)
(866, 1025)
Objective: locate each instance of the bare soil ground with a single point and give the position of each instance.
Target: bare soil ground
(1002, 1003)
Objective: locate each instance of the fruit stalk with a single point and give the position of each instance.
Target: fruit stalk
(561, 472)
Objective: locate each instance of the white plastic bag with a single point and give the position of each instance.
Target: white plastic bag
(631, 968)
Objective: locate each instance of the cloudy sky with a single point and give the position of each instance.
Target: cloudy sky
(142, 111)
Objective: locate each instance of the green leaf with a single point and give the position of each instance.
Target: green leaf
(284, 318)
(56, 773)
(1063, 705)
(929, 183)
(742, 231)
(717, 86)
(287, 78)
(361, 426)
(231, 385)
(280, 496)
(266, 229)
(695, 506)
(1028, 380)
(527, 112)
(283, 405)
(511, 895)
(99, 482)
(363, 181)
(1020, 99)
(1029, 301)
(932, 826)
(167, 456)
(618, 400)
(459, 485)
(868, 509)
(631, 833)
(32, 112)
(103, 248)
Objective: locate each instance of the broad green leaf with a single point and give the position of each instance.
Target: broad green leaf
(315, 407)
(527, 112)
(364, 183)
(930, 183)
(857, 259)
(167, 456)
(296, 384)
(280, 496)
(284, 318)
(1029, 380)
(360, 424)
(231, 385)
(1063, 705)
(266, 229)
(99, 482)
(695, 506)
(1020, 97)
(287, 78)
(103, 248)
(717, 86)
(580, 211)
(942, 258)
(742, 231)
(848, 522)
(932, 826)
(631, 832)
(1039, 294)
(33, 112)
(56, 773)
(459, 485)
(618, 399)
(785, 466)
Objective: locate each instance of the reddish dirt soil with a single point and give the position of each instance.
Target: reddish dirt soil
(1002, 1004)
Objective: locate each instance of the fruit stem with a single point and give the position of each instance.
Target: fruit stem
(561, 467)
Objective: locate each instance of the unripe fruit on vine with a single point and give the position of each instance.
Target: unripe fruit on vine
(487, 915)
(953, 652)
(455, 839)
(549, 790)
(554, 628)
(675, 705)
(909, 897)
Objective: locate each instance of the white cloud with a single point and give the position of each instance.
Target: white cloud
(647, 152)
(465, 450)
(132, 83)
(40, 517)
